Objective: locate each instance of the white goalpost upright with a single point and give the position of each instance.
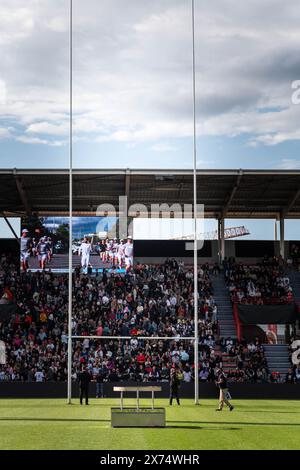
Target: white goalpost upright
(196, 340)
(71, 337)
(70, 285)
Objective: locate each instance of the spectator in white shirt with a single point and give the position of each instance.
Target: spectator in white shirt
(39, 376)
(187, 376)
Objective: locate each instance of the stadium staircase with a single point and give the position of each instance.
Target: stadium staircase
(225, 320)
(277, 355)
(278, 359)
(225, 314)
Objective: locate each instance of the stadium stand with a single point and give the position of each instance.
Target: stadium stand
(151, 300)
(261, 283)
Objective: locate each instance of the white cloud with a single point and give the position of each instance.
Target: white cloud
(163, 147)
(48, 128)
(132, 70)
(289, 164)
(5, 133)
(39, 141)
(205, 163)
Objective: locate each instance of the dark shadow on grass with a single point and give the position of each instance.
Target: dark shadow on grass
(236, 422)
(203, 428)
(59, 420)
(270, 411)
(179, 424)
(68, 420)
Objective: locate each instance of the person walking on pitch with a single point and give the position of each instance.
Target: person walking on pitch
(221, 382)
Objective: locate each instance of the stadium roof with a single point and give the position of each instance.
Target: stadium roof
(231, 193)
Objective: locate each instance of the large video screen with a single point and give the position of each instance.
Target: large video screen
(44, 245)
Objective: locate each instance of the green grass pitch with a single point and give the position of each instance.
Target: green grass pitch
(52, 424)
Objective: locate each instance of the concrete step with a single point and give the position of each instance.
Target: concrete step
(277, 362)
(225, 316)
(277, 356)
(228, 333)
(225, 313)
(276, 351)
(226, 320)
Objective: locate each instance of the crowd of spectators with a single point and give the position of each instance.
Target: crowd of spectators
(249, 361)
(149, 301)
(262, 283)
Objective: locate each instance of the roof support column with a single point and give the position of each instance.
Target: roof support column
(23, 195)
(275, 231)
(282, 241)
(221, 239)
(127, 186)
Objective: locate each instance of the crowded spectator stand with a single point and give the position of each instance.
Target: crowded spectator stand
(151, 301)
(265, 283)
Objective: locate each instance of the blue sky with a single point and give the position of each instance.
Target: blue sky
(133, 83)
(132, 75)
(213, 152)
(166, 228)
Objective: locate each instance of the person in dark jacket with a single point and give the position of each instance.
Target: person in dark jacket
(221, 382)
(174, 384)
(99, 383)
(84, 382)
(290, 377)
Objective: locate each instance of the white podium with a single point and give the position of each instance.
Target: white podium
(138, 417)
